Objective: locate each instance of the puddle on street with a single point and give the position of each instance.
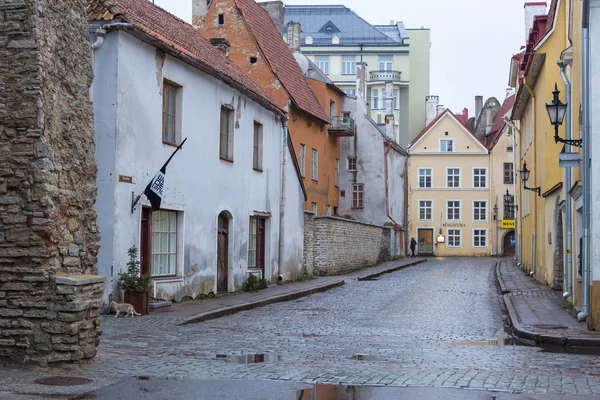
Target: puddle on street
(556, 349)
(250, 358)
(493, 342)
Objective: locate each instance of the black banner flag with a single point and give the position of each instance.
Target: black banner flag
(154, 190)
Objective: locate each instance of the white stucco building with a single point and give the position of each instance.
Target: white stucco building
(157, 81)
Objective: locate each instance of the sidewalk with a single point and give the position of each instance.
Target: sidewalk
(535, 310)
(201, 310)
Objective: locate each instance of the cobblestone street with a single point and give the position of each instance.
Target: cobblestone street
(422, 326)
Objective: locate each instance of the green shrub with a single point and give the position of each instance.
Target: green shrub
(253, 284)
(132, 281)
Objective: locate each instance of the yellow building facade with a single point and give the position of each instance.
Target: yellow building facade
(449, 190)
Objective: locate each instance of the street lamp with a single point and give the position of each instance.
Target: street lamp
(556, 111)
(495, 214)
(525, 177)
(441, 238)
(508, 202)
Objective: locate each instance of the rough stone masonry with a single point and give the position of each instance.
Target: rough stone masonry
(49, 295)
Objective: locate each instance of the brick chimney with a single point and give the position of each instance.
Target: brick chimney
(276, 12)
(478, 106)
(199, 11)
(221, 44)
(533, 9)
(293, 36)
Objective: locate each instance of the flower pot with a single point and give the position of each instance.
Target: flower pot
(139, 300)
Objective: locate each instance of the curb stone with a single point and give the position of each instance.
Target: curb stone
(387, 271)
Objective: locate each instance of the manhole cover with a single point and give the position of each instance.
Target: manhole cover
(63, 381)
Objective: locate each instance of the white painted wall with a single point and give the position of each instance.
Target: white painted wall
(128, 114)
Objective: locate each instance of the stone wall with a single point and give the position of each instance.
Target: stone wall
(48, 235)
(336, 245)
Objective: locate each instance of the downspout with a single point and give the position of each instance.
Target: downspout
(406, 207)
(387, 196)
(585, 111)
(515, 144)
(282, 202)
(569, 209)
(533, 134)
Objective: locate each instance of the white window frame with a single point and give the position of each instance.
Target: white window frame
(348, 65)
(349, 166)
(460, 238)
(486, 177)
(485, 214)
(375, 96)
(385, 63)
(302, 159)
(337, 172)
(419, 210)
(459, 177)
(486, 238)
(323, 63)
(459, 211)
(314, 165)
(396, 95)
(313, 207)
(168, 253)
(419, 177)
(356, 189)
(447, 140)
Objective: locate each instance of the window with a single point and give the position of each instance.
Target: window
(257, 148)
(425, 210)
(328, 210)
(252, 244)
(337, 173)
(351, 164)
(396, 106)
(348, 65)
(454, 237)
(170, 113)
(385, 63)
(509, 175)
(302, 159)
(509, 149)
(509, 212)
(350, 92)
(314, 171)
(453, 210)
(323, 63)
(425, 177)
(479, 237)
(480, 210)
(253, 60)
(375, 99)
(342, 193)
(226, 142)
(479, 177)
(446, 145)
(358, 195)
(313, 207)
(221, 19)
(453, 177)
(164, 242)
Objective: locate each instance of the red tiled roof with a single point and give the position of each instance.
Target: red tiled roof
(428, 127)
(551, 16)
(280, 57)
(180, 38)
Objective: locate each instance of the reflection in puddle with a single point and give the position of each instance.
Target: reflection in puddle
(591, 351)
(493, 342)
(250, 358)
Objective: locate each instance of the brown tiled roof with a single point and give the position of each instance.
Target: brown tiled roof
(180, 39)
(280, 58)
(551, 16)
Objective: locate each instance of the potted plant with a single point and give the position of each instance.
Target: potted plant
(135, 285)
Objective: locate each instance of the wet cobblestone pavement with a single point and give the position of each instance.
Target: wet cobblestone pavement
(435, 324)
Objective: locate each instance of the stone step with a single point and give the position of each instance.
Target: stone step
(159, 304)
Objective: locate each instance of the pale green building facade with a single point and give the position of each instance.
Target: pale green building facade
(335, 39)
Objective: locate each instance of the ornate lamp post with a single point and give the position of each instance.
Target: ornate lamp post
(556, 111)
(525, 177)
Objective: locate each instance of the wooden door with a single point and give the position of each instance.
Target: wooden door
(260, 245)
(509, 247)
(425, 242)
(146, 242)
(222, 253)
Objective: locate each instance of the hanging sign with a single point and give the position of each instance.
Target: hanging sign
(508, 223)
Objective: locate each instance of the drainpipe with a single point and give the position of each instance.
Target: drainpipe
(387, 195)
(585, 111)
(533, 242)
(282, 202)
(568, 217)
(515, 144)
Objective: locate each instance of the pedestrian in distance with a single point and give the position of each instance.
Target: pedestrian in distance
(413, 245)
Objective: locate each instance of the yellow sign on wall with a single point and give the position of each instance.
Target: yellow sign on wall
(508, 223)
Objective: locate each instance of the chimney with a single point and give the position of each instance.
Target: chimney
(431, 103)
(221, 44)
(293, 36)
(361, 82)
(389, 111)
(199, 11)
(533, 9)
(275, 10)
(478, 106)
(440, 110)
(465, 114)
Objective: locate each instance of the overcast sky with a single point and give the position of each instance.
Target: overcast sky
(471, 40)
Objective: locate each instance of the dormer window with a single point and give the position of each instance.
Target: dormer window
(446, 145)
(329, 29)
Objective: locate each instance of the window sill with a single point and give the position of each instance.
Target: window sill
(170, 144)
(164, 277)
(258, 169)
(229, 160)
(357, 208)
(351, 170)
(314, 180)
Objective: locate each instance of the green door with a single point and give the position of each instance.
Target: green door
(425, 242)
